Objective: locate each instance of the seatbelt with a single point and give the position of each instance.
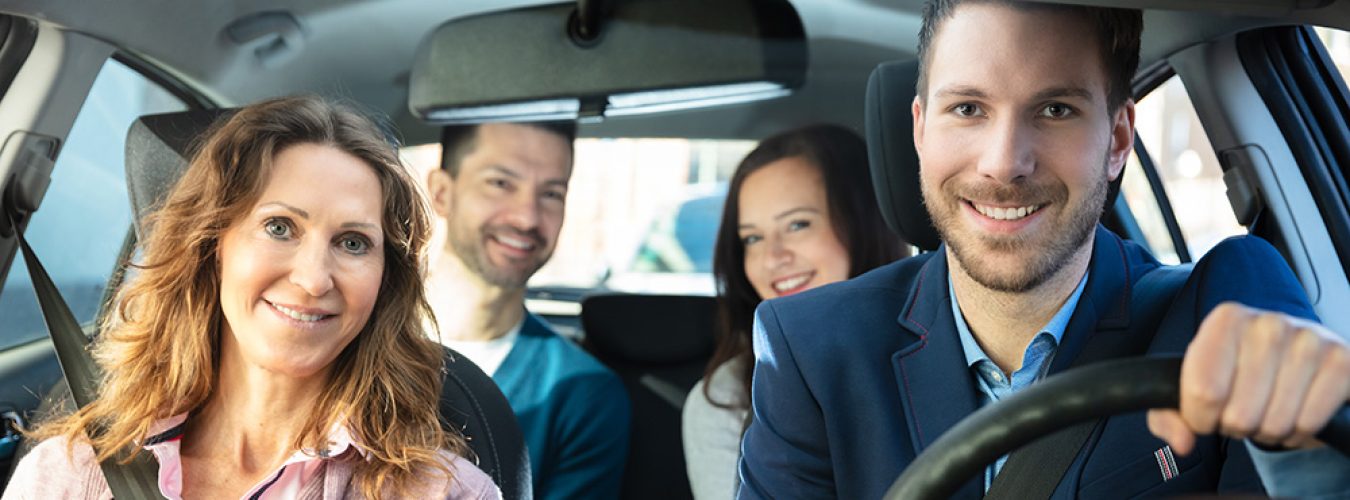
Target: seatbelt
(136, 480)
(1036, 469)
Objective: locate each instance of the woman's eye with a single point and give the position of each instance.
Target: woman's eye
(355, 245)
(798, 225)
(277, 228)
(750, 240)
(1057, 110)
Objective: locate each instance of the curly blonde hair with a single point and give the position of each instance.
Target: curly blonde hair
(159, 352)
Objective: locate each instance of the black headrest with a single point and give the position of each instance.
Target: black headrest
(890, 150)
(895, 164)
(649, 329)
(158, 150)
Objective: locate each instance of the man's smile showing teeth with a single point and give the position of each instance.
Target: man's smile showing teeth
(998, 213)
(297, 315)
(516, 243)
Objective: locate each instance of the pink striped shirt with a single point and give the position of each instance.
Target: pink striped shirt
(48, 472)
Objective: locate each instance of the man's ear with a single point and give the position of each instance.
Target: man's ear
(1122, 138)
(916, 109)
(441, 188)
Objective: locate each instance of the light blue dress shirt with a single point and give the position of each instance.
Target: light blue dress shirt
(990, 379)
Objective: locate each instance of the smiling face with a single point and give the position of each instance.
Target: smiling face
(300, 271)
(504, 209)
(790, 243)
(1016, 142)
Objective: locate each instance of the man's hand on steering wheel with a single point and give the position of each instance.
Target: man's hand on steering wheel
(1250, 373)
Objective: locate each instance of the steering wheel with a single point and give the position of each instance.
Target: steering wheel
(1078, 395)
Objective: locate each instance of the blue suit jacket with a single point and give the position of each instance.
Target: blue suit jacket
(572, 411)
(854, 380)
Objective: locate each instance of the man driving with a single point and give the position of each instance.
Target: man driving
(1022, 119)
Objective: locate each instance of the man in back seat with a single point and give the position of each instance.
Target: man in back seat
(1023, 117)
(501, 189)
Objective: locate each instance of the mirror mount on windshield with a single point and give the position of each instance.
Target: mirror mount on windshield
(587, 23)
(596, 59)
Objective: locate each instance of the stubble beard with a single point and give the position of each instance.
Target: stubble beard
(1042, 257)
(470, 245)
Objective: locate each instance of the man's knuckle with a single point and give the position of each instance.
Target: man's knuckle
(1306, 343)
(1205, 394)
(1337, 360)
(1306, 427)
(1269, 329)
(1273, 432)
(1236, 424)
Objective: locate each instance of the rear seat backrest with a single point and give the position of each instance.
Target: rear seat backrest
(659, 346)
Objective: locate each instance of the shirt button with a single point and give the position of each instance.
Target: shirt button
(998, 377)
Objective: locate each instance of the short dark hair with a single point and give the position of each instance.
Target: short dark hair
(840, 155)
(1118, 32)
(457, 141)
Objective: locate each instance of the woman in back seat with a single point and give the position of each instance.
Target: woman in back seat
(270, 343)
(800, 213)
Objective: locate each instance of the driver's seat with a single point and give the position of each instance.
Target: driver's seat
(158, 149)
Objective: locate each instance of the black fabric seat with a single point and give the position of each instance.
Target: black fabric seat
(158, 148)
(659, 346)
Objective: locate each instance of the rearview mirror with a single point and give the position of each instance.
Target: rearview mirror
(642, 56)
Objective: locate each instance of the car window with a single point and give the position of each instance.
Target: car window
(1337, 43)
(642, 213)
(83, 222)
(1170, 131)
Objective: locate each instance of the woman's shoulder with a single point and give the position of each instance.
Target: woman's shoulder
(724, 386)
(57, 468)
(468, 481)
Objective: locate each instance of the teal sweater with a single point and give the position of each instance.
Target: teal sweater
(572, 410)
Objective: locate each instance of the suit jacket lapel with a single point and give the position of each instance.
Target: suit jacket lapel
(937, 389)
(1103, 312)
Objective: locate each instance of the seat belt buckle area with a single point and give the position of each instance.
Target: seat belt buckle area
(12, 427)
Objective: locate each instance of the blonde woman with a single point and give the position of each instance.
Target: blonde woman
(270, 344)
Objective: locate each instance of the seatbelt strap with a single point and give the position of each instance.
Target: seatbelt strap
(1035, 470)
(136, 480)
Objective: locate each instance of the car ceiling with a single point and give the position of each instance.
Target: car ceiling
(362, 49)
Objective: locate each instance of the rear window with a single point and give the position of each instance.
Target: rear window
(642, 214)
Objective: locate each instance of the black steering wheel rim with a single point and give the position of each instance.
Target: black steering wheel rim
(1078, 395)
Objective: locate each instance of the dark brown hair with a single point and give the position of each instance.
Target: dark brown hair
(457, 141)
(841, 156)
(1118, 32)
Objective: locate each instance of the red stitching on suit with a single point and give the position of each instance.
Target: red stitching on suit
(1124, 297)
(923, 341)
(905, 375)
(918, 290)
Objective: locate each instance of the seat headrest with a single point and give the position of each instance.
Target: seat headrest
(891, 155)
(649, 329)
(158, 150)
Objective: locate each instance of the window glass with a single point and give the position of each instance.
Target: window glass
(81, 226)
(626, 227)
(1337, 43)
(1168, 126)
